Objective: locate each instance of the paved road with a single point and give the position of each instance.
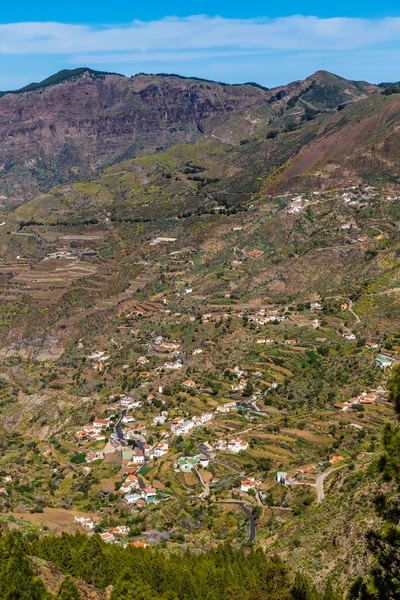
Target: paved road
(247, 511)
(118, 428)
(320, 483)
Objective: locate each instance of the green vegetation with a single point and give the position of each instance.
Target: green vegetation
(256, 278)
(383, 582)
(145, 574)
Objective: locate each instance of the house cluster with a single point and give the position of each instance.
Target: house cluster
(85, 522)
(263, 317)
(234, 445)
(99, 360)
(60, 254)
(161, 345)
(238, 386)
(93, 431)
(140, 454)
(128, 402)
(180, 426)
(364, 398)
(353, 199)
(109, 536)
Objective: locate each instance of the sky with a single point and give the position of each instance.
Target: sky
(269, 42)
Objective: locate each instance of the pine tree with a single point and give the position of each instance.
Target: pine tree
(68, 590)
(303, 589)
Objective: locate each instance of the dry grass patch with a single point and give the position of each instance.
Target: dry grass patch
(308, 436)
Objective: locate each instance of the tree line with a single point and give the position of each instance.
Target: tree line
(146, 574)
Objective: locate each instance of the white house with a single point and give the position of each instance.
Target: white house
(107, 537)
(149, 493)
(138, 457)
(281, 477)
(161, 449)
(207, 416)
(204, 460)
(236, 445)
(86, 522)
(128, 419)
(316, 306)
(99, 424)
(249, 484)
(132, 498)
(174, 366)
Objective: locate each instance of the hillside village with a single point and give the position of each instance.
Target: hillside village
(196, 348)
(168, 429)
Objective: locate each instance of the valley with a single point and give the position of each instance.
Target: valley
(197, 335)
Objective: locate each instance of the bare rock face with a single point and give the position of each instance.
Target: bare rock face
(64, 130)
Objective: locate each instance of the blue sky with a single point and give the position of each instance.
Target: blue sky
(269, 42)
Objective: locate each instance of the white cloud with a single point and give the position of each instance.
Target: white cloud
(198, 34)
(160, 57)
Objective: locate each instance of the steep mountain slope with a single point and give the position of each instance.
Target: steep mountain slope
(78, 121)
(85, 121)
(362, 141)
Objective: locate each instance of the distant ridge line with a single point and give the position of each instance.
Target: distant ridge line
(70, 74)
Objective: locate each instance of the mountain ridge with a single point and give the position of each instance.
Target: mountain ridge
(78, 121)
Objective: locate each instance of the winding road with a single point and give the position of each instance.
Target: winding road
(349, 305)
(320, 483)
(247, 512)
